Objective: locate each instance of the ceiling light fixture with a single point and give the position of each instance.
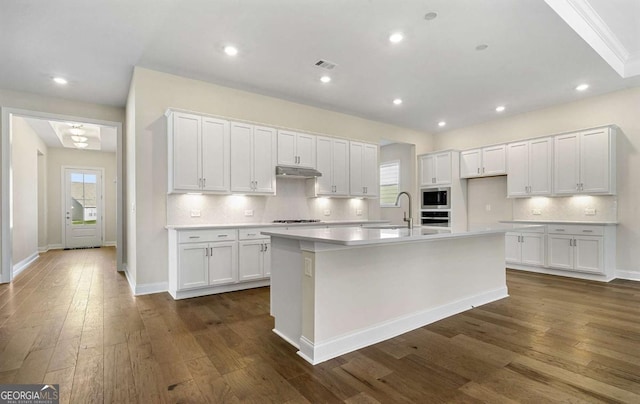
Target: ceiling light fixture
(76, 131)
(325, 79)
(396, 37)
(80, 139)
(482, 47)
(441, 123)
(60, 80)
(500, 108)
(397, 101)
(582, 87)
(81, 145)
(230, 50)
(430, 16)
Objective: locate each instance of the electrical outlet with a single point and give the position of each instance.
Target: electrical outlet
(358, 212)
(195, 212)
(308, 271)
(248, 212)
(590, 211)
(487, 207)
(327, 212)
(536, 211)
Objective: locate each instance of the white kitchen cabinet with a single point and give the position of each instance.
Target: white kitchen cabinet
(529, 168)
(206, 258)
(584, 162)
(333, 162)
(296, 149)
(525, 247)
(484, 162)
(254, 255)
(435, 168)
(363, 169)
(253, 158)
(576, 248)
(199, 153)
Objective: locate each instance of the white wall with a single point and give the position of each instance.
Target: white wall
(487, 200)
(59, 157)
(154, 92)
(405, 153)
(25, 148)
(619, 108)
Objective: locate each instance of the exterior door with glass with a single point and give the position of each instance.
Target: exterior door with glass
(83, 207)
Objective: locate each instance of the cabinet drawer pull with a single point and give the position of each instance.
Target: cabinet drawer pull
(251, 234)
(587, 231)
(223, 235)
(194, 236)
(559, 229)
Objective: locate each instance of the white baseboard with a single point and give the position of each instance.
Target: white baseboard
(149, 288)
(132, 283)
(55, 247)
(109, 244)
(24, 264)
(628, 275)
(211, 290)
(315, 353)
(289, 340)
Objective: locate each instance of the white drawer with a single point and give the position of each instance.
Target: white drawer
(540, 229)
(575, 229)
(200, 236)
(251, 234)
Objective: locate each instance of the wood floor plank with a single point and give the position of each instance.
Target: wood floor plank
(70, 319)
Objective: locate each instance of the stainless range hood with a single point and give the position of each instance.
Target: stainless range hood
(297, 172)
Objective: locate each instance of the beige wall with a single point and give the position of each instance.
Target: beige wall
(154, 92)
(25, 148)
(405, 153)
(619, 108)
(58, 158)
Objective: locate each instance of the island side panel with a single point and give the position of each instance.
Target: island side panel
(286, 288)
(365, 295)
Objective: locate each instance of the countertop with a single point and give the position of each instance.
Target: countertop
(271, 224)
(584, 222)
(356, 236)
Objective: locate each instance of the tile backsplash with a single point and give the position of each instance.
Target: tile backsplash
(290, 202)
(573, 208)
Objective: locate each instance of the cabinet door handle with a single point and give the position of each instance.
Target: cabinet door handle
(572, 242)
(206, 252)
(211, 253)
(482, 170)
(204, 183)
(261, 247)
(478, 170)
(266, 247)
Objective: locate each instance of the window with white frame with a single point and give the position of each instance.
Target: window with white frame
(389, 183)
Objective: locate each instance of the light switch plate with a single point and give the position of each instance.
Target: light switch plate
(308, 271)
(248, 212)
(590, 211)
(536, 211)
(487, 207)
(195, 212)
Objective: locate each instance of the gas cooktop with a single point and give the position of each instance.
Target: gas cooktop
(297, 221)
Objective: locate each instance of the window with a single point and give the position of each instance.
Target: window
(389, 183)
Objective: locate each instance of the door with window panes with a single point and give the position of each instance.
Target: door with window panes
(83, 208)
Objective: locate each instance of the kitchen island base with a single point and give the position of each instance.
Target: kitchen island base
(330, 299)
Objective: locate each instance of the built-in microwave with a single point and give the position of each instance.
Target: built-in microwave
(436, 198)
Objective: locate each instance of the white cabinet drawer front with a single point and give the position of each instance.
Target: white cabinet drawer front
(536, 230)
(251, 234)
(576, 230)
(199, 236)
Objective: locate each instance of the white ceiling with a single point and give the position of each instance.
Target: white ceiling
(57, 134)
(534, 58)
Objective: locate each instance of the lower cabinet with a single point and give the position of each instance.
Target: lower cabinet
(580, 250)
(254, 256)
(525, 247)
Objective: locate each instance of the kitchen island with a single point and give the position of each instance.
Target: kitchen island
(337, 290)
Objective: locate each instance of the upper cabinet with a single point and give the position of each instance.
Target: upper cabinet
(253, 159)
(363, 169)
(296, 149)
(484, 162)
(435, 168)
(199, 153)
(529, 167)
(584, 162)
(333, 162)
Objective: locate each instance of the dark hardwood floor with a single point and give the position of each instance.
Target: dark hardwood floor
(71, 319)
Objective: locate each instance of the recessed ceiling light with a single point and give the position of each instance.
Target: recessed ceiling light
(60, 80)
(397, 101)
(231, 50)
(441, 123)
(582, 87)
(80, 139)
(482, 47)
(396, 37)
(81, 145)
(325, 79)
(430, 16)
(500, 108)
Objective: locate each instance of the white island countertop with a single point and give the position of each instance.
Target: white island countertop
(322, 223)
(357, 236)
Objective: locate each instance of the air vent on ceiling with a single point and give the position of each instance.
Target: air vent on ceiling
(325, 64)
